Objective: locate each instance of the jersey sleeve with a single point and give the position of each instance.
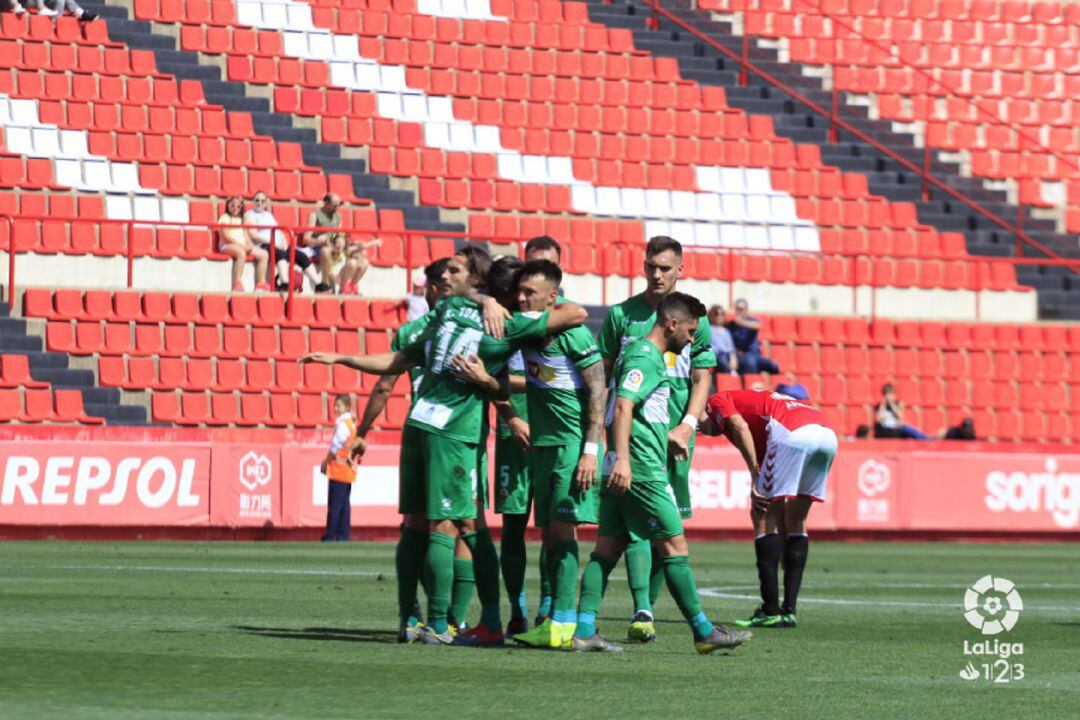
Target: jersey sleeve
(609, 342)
(578, 345)
(701, 352)
(341, 434)
(720, 406)
(523, 327)
(638, 377)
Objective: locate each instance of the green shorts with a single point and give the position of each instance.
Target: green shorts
(679, 479)
(645, 512)
(512, 479)
(446, 471)
(557, 498)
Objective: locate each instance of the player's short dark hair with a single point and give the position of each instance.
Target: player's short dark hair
(478, 261)
(502, 278)
(680, 305)
(662, 243)
(343, 398)
(434, 271)
(549, 270)
(543, 242)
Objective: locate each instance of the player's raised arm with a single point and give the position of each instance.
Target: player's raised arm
(565, 316)
(393, 363)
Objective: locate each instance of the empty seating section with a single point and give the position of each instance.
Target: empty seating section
(997, 81)
(537, 115)
(25, 400)
(79, 112)
(1015, 381)
(239, 349)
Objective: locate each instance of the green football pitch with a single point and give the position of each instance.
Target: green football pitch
(231, 630)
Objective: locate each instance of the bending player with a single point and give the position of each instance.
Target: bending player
(635, 503)
(690, 373)
(789, 448)
(566, 404)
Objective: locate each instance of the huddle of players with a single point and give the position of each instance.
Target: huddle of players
(518, 340)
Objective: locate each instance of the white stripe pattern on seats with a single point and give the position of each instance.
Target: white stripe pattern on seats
(742, 197)
(74, 166)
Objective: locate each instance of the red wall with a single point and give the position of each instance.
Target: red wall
(180, 478)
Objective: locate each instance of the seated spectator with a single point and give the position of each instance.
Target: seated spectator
(235, 243)
(416, 304)
(727, 361)
(318, 247)
(348, 263)
(275, 243)
(889, 420)
(50, 8)
(793, 390)
(964, 431)
(744, 332)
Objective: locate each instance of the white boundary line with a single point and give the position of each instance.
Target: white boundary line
(717, 593)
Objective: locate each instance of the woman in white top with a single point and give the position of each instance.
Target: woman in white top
(234, 242)
(274, 243)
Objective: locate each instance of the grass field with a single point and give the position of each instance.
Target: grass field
(229, 630)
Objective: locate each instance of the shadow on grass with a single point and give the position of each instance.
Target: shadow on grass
(382, 637)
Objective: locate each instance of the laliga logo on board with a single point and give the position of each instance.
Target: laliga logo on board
(255, 470)
(874, 478)
(992, 605)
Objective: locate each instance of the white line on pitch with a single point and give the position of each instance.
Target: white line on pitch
(226, 570)
(717, 593)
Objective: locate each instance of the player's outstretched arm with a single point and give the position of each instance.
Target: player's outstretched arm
(565, 316)
(380, 395)
(738, 432)
(382, 364)
(593, 377)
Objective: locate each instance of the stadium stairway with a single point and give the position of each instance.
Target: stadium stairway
(39, 385)
(1058, 289)
(139, 34)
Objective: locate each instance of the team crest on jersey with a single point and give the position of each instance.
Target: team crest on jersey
(633, 380)
(670, 359)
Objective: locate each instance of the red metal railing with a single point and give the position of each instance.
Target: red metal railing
(836, 122)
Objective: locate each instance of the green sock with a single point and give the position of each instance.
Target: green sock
(440, 563)
(513, 560)
(545, 584)
(638, 562)
(593, 585)
(486, 568)
(680, 582)
(409, 564)
(564, 567)
(656, 578)
(464, 585)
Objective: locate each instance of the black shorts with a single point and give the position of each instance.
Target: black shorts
(302, 260)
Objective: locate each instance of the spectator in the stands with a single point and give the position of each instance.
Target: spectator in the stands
(317, 246)
(416, 305)
(889, 418)
(348, 263)
(49, 8)
(744, 332)
(964, 431)
(543, 247)
(262, 235)
(234, 242)
(727, 361)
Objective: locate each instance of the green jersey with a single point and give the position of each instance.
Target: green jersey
(405, 336)
(516, 367)
(634, 318)
(641, 375)
(444, 402)
(558, 399)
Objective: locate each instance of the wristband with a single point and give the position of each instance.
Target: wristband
(691, 421)
(591, 448)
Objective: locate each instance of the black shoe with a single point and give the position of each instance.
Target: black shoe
(88, 17)
(323, 288)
